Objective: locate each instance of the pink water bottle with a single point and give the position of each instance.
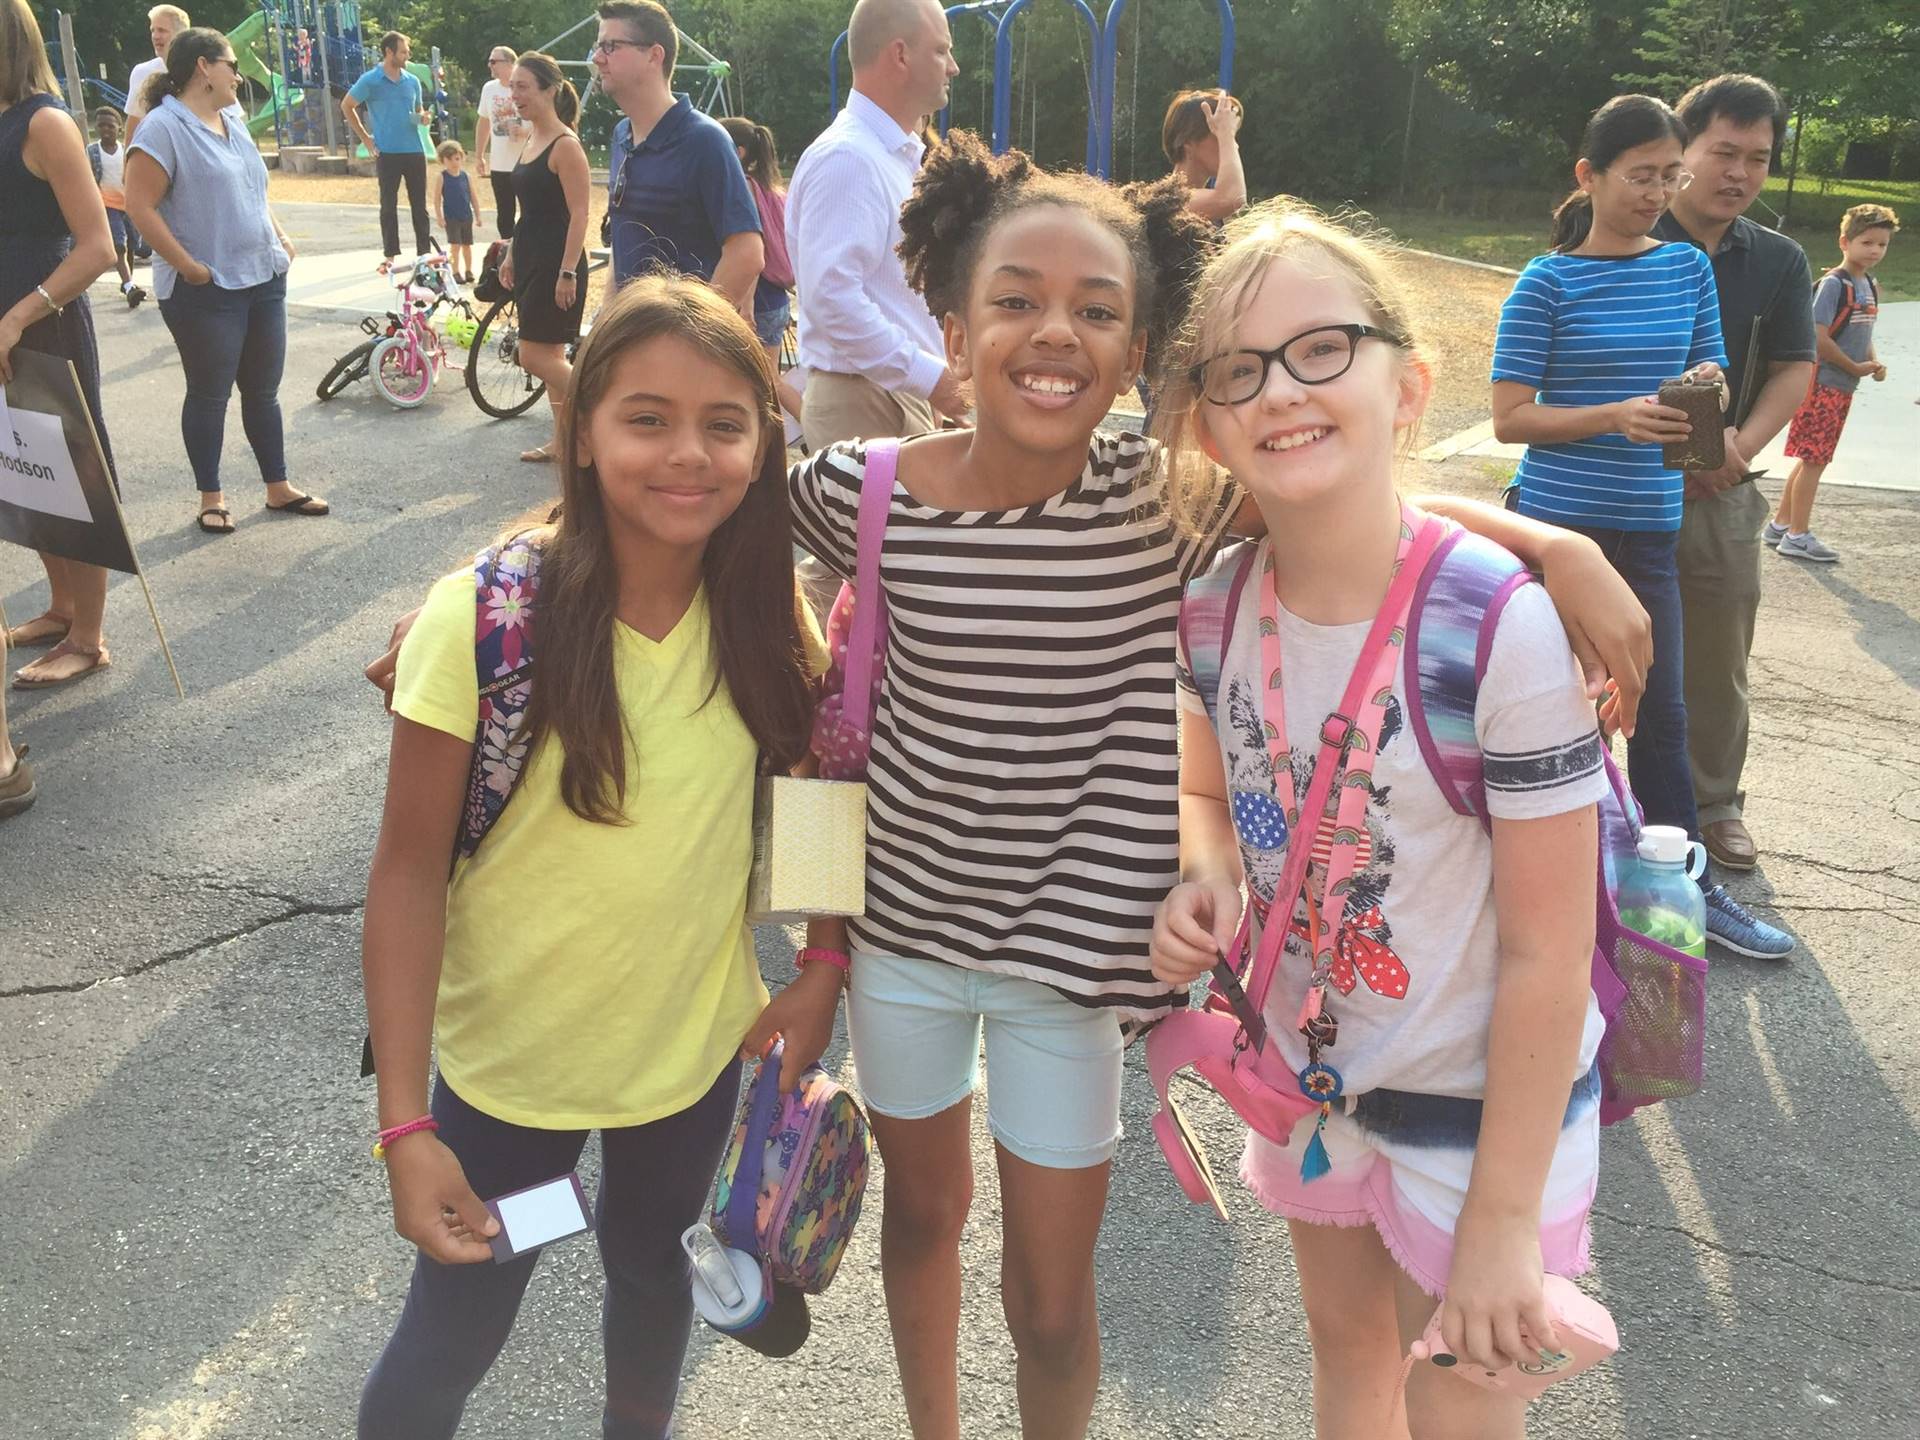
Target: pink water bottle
(1587, 1336)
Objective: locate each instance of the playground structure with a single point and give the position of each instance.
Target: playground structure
(305, 55)
(1102, 73)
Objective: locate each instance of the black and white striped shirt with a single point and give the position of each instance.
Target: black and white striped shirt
(1023, 813)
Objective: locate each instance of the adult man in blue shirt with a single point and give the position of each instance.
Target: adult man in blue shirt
(679, 197)
(392, 96)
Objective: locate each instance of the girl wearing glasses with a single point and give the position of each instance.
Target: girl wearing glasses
(1585, 340)
(1456, 962)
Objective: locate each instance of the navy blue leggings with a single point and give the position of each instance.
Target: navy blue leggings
(653, 1184)
(1657, 765)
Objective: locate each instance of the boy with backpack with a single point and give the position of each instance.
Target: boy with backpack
(109, 160)
(1844, 309)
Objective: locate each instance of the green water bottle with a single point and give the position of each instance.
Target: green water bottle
(1658, 895)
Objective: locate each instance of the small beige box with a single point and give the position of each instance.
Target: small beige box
(809, 849)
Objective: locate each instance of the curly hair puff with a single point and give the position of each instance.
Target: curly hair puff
(964, 190)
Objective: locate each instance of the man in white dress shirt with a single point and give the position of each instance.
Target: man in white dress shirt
(875, 361)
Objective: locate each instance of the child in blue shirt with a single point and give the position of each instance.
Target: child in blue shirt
(453, 207)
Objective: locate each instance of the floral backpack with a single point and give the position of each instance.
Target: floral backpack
(1652, 996)
(794, 1178)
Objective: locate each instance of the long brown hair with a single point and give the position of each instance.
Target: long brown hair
(548, 75)
(761, 161)
(747, 567)
(24, 67)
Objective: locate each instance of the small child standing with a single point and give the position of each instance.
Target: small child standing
(109, 160)
(1844, 308)
(453, 207)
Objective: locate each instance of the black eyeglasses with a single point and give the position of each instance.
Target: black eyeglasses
(610, 46)
(1313, 357)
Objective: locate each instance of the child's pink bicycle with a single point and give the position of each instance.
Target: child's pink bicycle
(406, 354)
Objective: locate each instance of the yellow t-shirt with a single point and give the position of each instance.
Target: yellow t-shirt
(597, 975)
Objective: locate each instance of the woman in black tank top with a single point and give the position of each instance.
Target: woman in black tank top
(53, 243)
(547, 264)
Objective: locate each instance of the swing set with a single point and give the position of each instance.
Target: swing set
(1102, 73)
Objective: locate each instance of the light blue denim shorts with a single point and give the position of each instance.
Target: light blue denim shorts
(916, 1026)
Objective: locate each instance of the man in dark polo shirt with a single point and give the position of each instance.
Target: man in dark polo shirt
(1766, 317)
(679, 197)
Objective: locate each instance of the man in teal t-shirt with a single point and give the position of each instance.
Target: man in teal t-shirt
(392, 97)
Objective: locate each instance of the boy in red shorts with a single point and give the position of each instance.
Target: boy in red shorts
(1844, 309)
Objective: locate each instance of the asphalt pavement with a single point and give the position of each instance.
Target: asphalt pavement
(197, 1245)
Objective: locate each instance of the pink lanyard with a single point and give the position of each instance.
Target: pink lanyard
(1349, 739)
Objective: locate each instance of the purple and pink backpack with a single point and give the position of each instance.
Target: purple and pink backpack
(1652, 996)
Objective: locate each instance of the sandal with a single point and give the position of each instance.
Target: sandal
(100, 658)
(45, 628)
(223, 513)
(539, 455)
(302, 505)
(16, 791)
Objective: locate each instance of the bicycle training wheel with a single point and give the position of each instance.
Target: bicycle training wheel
(347, 369)
(494, 377)
(401, 372)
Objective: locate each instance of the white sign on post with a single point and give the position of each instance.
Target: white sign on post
(36, 469)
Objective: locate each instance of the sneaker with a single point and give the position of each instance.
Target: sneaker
(1734, 926)
(1808, 547)
(135, 294)
(1773, 534)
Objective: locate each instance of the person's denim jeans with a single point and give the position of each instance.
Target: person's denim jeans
(653, 1184)
(1657, 766)
(227, 337)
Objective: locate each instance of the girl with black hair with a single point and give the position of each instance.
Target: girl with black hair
(772, 293)
(1588, 335)
(590, 966)
(1023, 800)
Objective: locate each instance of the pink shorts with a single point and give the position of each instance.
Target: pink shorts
(1401, 1163)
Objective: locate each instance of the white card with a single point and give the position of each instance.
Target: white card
(545, 1212)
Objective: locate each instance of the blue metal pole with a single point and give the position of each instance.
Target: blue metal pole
(833, 76)
(984, 9)
(1111, 62)
(1003, 75)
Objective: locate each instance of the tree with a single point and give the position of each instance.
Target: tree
(1542, 65)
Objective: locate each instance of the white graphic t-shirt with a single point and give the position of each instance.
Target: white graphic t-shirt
(1418, 952)
(501, 127)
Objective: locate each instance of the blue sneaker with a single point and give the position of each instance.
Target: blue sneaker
(1734, 926)
(1773, 534)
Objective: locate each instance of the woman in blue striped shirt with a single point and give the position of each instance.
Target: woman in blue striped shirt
(1585, 340)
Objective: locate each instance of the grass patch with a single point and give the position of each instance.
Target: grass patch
(1815, 223)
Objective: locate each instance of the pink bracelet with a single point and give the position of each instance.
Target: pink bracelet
(839, 959)
(393, 1133)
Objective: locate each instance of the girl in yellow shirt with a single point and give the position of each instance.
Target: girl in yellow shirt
(590, 965)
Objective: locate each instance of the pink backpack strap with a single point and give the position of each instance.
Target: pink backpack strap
(869, 606)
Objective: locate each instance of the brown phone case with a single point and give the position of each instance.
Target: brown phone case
(1706, 447)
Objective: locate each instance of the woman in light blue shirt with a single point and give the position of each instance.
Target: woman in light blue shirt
(197, 190)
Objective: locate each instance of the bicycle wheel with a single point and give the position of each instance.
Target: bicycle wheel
(401, 372)
(347, 369)
(494, 377)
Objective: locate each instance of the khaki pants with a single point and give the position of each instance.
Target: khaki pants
(850, 407)
(1719, 560)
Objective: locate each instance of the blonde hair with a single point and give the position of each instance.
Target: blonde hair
(1862, 218)
(24, 67)
(447, 149)
(169, 12)
(1280, 230)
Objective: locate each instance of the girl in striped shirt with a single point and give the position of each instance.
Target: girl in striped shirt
(1023, 778)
